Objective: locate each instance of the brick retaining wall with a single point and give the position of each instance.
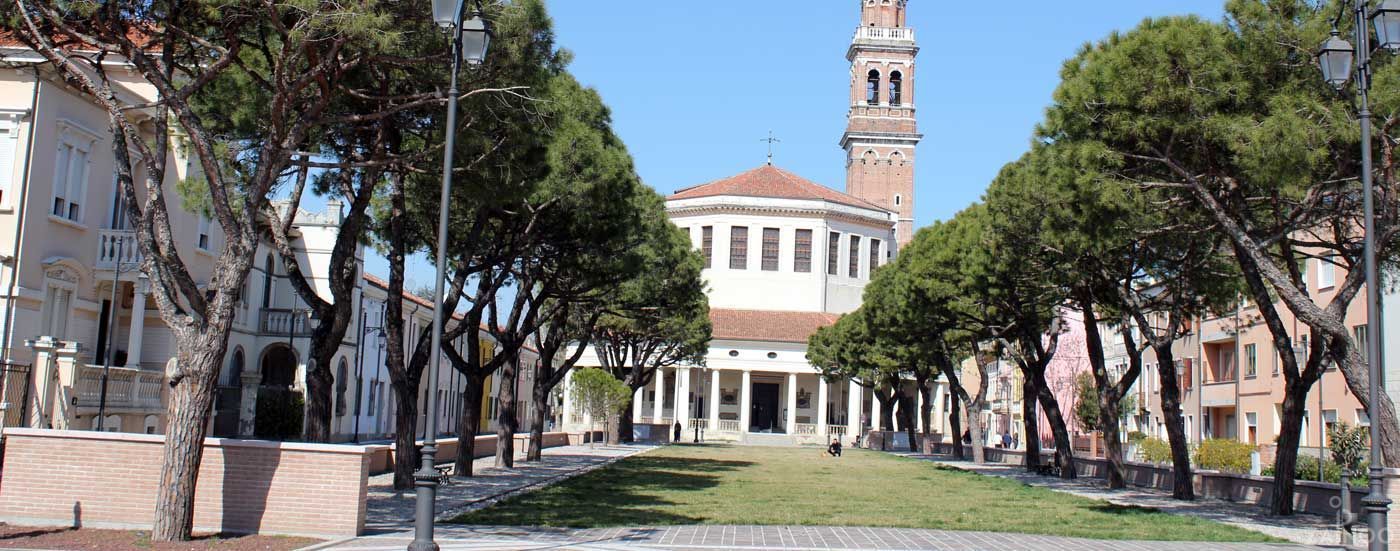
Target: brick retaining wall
(108, 480)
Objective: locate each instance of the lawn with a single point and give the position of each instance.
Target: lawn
(801, 486)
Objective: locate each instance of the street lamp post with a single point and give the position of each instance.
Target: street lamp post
(470, 39)
(1335, 58)
(360, 365)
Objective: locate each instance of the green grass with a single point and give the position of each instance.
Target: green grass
(800, 486)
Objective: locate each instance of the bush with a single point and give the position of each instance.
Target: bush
(280, 414)
(1155, 450)
(1331, 471)
(1224, 455)
(1348, 447)
(1136, 437)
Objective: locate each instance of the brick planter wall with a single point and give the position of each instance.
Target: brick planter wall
(108, 480)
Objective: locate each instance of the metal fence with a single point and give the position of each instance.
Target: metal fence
(14, 394)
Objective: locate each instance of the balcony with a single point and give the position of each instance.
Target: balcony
(127, 389)
(1214, 395)
(117, 248)
(284, 322)
(902, 35)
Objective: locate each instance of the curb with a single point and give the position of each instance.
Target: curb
(482, 503)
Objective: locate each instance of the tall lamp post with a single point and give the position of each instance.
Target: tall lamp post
(1335, 57)
(470, 38)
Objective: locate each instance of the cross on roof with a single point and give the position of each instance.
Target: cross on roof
(771, 140)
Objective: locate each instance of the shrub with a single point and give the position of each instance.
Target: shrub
(1224, 455)
(1155, 450)
(1348, 447)
(280, 413)
(1331, 471)
(1136, 437)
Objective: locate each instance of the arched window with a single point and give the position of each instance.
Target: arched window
(342, 380)
(267, 282)
(896, 88)
(234, 375)
(898, 200)
(872, 88)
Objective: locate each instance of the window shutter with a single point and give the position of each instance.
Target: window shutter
(7, 162)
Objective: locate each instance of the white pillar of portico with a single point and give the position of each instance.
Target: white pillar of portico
(822, 396)
(918, 409)
(745, 402)
(566, 410)
(637, 399)
(658, 407)
(874, 412)
(853, 409)
(940, 417)
(138, 322)
(683, 397)
(792, 403)
(714, 399)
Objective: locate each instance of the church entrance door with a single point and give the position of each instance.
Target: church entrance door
(764, 413)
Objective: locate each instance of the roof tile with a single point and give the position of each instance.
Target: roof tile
(771, 181)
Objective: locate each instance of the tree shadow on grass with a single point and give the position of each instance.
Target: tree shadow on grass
(634, 492)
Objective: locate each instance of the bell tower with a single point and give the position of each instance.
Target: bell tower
(881, 127)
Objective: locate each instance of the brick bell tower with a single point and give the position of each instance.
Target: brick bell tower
(881, 128)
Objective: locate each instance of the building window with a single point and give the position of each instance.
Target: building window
(1362, 340)
(874, 255)
(707, 244)
(802, 252)
(69, 180)
(896, 85)
(738, 248)
(267, 282)
(342, 381)
(1326, 272)
(1329, 420)
(898, 199)
(1362, 419)
(58, 304)
(872, 88)
(1251, 421)
(855, 256)
(770, 249)
(9, 146)
(1251, 360)
(204, 224)
(833, 252)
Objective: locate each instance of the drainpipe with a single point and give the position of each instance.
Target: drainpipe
(19, 223)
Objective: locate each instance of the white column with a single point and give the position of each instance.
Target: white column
(683, 397)
(874, 412)
(792, 403)
(567, 409)
(940, 418)
(745, 402)
(822, 396)
(853, 409)
(138, 322)
(637, 399)
(918, 409)
(658, 407)
(714, 399)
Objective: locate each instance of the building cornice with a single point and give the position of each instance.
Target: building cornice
(776, 211)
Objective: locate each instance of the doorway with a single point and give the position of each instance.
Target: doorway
(763, 414)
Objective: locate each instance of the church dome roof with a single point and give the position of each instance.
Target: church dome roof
(771, 181)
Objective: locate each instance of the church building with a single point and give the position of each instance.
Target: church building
(785, 256)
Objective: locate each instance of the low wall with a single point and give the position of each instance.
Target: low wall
(382, 456)
(1310, 497)
(109, 480)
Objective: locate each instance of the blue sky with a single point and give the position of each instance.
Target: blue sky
(695, 85)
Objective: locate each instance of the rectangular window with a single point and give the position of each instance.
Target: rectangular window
(738, 248)
(1361, 338)
(9, 141)
(833, 253)
(70, 179)
(855, 256)
(802, 252)
(874, 255)
(1326, 272)
(57, 304)
(1362, 419)
(771, 240)
(707, 244)
(1251, 358)
(204, 224)
(1251, 421)
(373, 397)
(1329, 420)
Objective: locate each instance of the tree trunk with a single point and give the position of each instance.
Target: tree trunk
(319, 384)
(470, 420)
(1107, 394)
(1031, 423)
(405, 445)
(926, 411)
(540, 396)
(1183, 487)
(1112, 445)
(955, 423)
(1064, 449)
(1286, 458)
(974, 429)
(887, 414)
(907, 406)
(506, 422)
(623, 434)
(188, 415)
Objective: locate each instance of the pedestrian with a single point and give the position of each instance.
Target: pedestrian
(1006, 440)
(835, 448)
(967, 436)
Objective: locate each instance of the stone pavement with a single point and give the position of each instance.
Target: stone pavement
(452, 538)
(1301, 528)
(390, 511)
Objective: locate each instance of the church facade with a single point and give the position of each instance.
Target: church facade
(785, 256)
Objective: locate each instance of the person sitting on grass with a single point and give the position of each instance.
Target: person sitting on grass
(835, 448)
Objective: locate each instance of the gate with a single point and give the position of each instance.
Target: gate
(14, 394)
(228, 404)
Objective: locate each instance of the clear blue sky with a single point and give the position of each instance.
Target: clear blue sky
(694, 85)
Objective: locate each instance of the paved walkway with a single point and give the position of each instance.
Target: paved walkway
(390, 511)
(452, 538)
(1301, 528)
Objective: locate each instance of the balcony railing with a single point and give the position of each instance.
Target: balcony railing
(126, 388)
(805, 428)
(280, 321)
(1218, 394)
(703, 424)
(728, 426)
(117, 247)
(885, 34)
(836, 430)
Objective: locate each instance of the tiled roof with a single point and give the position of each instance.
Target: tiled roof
(380, 283)
(768, 325)
(771, 181)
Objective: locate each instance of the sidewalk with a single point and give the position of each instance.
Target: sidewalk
(1301, 528)
(455, 538)
(390, 511)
